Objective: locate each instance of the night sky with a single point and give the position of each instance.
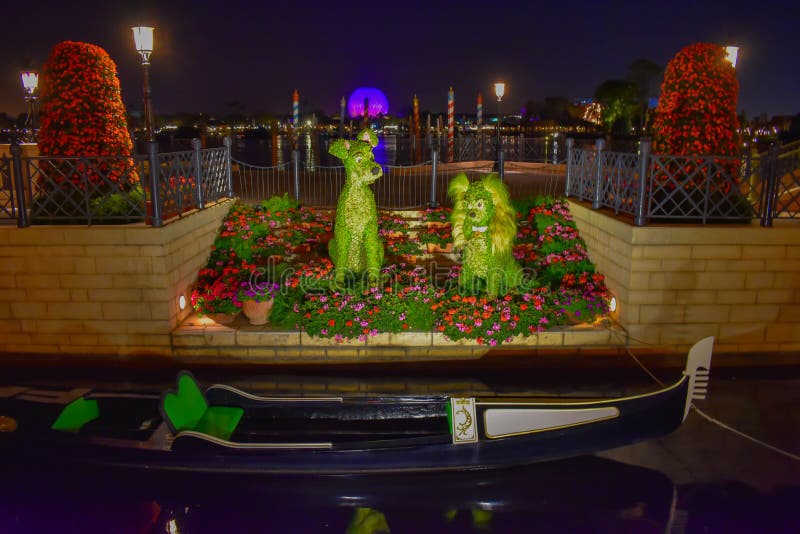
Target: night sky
(209, 55)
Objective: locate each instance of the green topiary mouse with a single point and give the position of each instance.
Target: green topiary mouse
(356, 247)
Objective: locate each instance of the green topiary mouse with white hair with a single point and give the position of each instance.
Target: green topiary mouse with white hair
(356, 247)
(485, 227)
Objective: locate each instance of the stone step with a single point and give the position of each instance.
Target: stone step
(199, 339)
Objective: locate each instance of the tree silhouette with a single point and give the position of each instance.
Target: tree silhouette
(620, 103)
(646, 75)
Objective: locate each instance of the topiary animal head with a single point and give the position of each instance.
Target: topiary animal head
(481, 207)
(359, 161)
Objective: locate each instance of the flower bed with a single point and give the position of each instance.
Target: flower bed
(560, 285)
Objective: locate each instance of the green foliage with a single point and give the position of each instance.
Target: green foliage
(620, 103)
(118, 204)
(402, 247)
(523, 205)
(553, 273)
(279, 204)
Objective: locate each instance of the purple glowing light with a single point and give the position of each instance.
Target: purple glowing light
(378, 105)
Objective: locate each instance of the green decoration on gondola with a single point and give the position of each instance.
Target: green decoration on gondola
(186, 408)
(484, 227)
(356, 247)
(76, 414)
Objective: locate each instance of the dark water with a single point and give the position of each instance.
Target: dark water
(699, 479)
(274, 150)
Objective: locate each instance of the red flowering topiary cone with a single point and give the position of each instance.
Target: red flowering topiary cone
(696, 113)
(82, 113)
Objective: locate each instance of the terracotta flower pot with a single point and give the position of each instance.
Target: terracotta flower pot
(257, 312)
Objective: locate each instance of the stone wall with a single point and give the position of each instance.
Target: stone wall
(676, 284)
(110, 290)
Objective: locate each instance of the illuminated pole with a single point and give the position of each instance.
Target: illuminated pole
(415, 132)
(480, 111)
(366, 112)
(416, 116)
(342, 105)
(451, 124)
(143, 38)
(295, 109)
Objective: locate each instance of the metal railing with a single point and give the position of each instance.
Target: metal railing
(108, 189)
(481, 147)
(686, 188)
(8, 208)
(158, 186)
(400, 187)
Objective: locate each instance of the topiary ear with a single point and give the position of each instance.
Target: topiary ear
(339, 148)
(458, 186)
(498, 190)
(368, 136)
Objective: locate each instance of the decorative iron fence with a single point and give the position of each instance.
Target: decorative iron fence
(482, 147)
(83, 190)
(109, 190)
(158, 186)
(7, 204)
(400, 187)
(686, 188)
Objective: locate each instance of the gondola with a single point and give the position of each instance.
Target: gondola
(226, 430)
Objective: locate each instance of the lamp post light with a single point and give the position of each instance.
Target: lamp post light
(30, 82)
(732, 54)
(143, 38)
(499, 91)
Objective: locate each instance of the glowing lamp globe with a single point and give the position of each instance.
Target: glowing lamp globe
(30, 81)
(378, 104)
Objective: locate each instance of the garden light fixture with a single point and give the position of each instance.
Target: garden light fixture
(732, 54)
(143, 38)
(499, 90)
(30, 83)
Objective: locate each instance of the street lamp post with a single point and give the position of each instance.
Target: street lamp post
(143, 38)
(30, 82)
(499, 91)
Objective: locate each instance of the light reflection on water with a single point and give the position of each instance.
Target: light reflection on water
(272, 150)
(313, 150)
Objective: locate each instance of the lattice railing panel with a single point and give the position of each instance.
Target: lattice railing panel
(582, 174)
(177, 183)
(214, 163)
(7, 206)
(708, 188)
(620, 181)
(787, 169)
(84, 190)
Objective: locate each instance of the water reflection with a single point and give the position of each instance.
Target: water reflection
(269, 150)
(582, 494)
